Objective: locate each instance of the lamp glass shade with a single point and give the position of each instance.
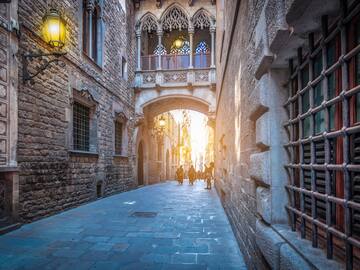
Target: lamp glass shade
(54, 29)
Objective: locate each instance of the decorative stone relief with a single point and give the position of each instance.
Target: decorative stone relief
(175, 77)
(3, 110)
(149, 77)
(2, 146)
(2, 128)
(202, 76)
(3, 74)
(4, 107)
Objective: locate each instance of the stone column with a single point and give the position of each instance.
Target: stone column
(191, 37)
(159, 33)
(212, 34)
(89, 12)
(138, 49)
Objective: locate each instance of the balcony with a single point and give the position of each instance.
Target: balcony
(175, 71)
(175, 61)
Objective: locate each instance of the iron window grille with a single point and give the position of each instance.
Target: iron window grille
(118, 137)
(324, 137)
(81, 127)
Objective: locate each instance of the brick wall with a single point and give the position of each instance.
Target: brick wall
(51, 178)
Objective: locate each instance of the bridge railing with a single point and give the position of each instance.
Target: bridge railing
(175, 61)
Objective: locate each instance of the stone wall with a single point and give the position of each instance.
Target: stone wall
(52, 177)
(255, 40)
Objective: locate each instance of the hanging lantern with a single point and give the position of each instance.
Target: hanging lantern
(54, 29)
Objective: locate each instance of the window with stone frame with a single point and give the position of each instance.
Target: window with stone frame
(119, 128)
(81, 127)
(324, 131)
(92, 33)
(120, 136)
(124, 68)
(84, 122)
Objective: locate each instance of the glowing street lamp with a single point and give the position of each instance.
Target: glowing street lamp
(54, 34)
(54, 29)
(162, 122)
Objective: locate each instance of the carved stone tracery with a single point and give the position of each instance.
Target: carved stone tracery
(149, 24)
(201, 19)
(175, 18)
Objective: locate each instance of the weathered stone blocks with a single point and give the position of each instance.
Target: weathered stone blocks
(263, 203)
(263, 131)
(260, 167)
(269, 243)
(290, 260)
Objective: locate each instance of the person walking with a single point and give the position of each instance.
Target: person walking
(209, 175)
(192, 175)
(180, 175)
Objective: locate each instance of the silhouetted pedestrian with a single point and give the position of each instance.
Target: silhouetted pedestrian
(192, 175)
(180, 175)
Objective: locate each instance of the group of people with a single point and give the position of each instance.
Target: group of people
(206, 175)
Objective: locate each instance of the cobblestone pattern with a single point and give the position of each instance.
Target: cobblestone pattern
(51, 179)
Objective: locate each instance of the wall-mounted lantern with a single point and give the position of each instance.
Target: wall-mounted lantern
(158, 130)
(162, 122)
(54, 29)
(54, 34)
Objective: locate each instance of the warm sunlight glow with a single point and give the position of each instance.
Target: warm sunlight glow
(194, 124)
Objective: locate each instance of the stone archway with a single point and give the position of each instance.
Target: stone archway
(140, 164)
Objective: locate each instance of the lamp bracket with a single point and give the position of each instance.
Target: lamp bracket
(46, 60)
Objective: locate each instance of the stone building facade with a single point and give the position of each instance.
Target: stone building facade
(286, 131)
(169, 78)
(54, 169)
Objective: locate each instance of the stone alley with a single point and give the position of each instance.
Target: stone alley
(103, 103)
(162, 226)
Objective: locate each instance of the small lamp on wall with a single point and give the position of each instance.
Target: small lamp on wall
(162, 122)
(54, 35)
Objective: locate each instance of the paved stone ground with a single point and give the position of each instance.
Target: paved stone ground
(190, 231)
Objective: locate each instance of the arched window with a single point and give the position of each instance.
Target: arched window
(92, 30)
(149, 24)
(160, 50)
(202, 47)
(175, 18)
(201, 19)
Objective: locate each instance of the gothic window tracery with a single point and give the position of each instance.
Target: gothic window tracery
(175, 18)
(201, 20)
(202, 47)
(149, 24)
(160, 50)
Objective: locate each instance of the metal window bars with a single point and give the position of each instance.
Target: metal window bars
(81, 127)
(312, 156)
(118, 137)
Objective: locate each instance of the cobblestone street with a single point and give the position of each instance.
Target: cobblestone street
(162, 226)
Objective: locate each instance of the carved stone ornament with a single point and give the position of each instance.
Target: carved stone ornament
(201, 19)
(175, 18)
(148, 23)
